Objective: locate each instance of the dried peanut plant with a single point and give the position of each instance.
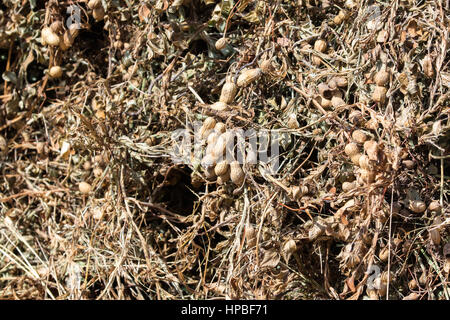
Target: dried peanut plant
(354, 94)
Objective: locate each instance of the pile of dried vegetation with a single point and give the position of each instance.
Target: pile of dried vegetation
(93, 206)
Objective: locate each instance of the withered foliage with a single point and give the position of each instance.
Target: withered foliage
(93, 207)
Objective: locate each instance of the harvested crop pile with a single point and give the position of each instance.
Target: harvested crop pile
(191, 149)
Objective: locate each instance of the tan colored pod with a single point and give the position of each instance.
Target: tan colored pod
(92, 4)
(435, 234)
(348, 186)
(55, 40)
(356, 117)
(98, 159)
(367, 176)
(341, 81)
(74, 30)
(49, 37)
(219, 106)
(56, 26)
(221, 143)
(382, 289)
(337, 102)
(205, 133)
(68, 40)
(223, 178)
(324, 88)
(210, 174)
(379, 94)
(220, 127)
(359, 136)
(355, 158)
(221, 168)
(316, 60)
(341, 17)
(118, 44)
(417, 206)
(97, 172)
(320, 45)
(248, 76)
(324, 102)
(386, 276)
(228, 93)
(332, 84)
(351, 149)
(85, 187)
(44, 35)
(98, 13)
(412, 284)
(236, 173)
(63, 46)
(371, 149)
(221, 43)
(435, 207)
(210, 147)
(412, 296)
(337, 20)
(55, 72)
(207, 125)
(364, 162)
(3, 146)
(86, 165)
(70, 35)
(208, 161)
(381, 78)
(212, 138)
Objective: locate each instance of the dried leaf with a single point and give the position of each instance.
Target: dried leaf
(270, 259)
(144, 12)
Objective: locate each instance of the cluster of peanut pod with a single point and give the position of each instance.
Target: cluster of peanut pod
(56, 36)
(230, 88)
(381, 79)
(371, 162)
(98, 12)
(330, 94)
(216, 164)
